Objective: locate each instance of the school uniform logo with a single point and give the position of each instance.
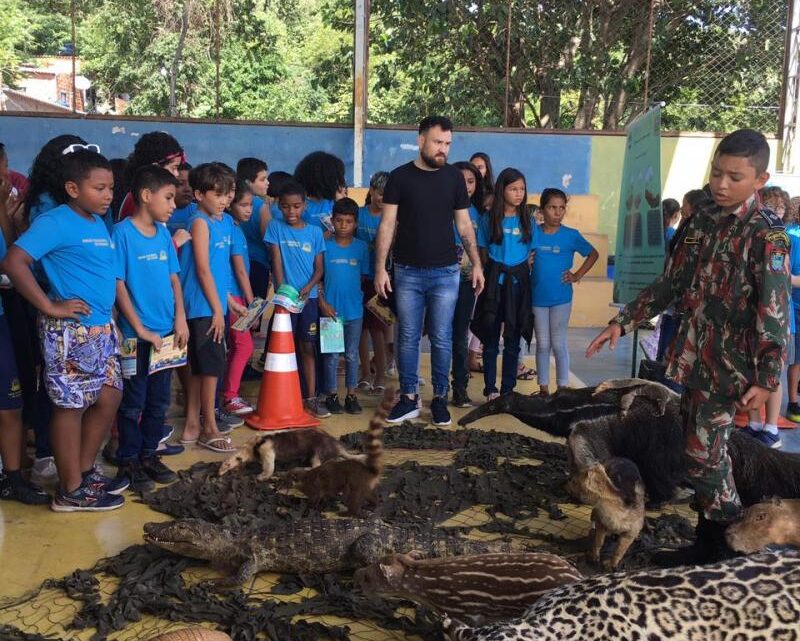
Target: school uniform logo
(162, 255)
(776, 261)
(515, 231)
(15, 389)
(353, 262)
(307, 247)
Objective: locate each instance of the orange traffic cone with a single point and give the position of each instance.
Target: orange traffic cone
(280, 404)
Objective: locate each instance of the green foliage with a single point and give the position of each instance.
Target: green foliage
(716, 63)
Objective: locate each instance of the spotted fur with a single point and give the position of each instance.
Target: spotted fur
(754, 598)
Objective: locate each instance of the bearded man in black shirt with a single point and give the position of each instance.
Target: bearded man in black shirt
(421, 202)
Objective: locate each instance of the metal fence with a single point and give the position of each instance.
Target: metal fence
(556, 64)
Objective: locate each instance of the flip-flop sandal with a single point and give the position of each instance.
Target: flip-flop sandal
(364, 385)
(526, 374)
(209, 445)
(377, 390)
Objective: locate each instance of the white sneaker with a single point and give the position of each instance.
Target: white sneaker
(391, 370)
(44, 470)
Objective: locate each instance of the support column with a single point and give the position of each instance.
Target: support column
(360, 79)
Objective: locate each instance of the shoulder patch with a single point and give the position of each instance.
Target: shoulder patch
(777, 237)
(773, 220)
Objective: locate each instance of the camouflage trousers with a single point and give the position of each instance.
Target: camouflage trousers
(707, 425)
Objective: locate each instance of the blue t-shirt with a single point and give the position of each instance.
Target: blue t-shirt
(793, 231)
(512, 251)
(256, 248)
(78, 259)
(220, 241)
(475, 217)
(145, 264)
(669, 233)
(240, 248)
(180, 217)
(318, 212)
(299, 247)
(554, 255)
(344, 267)
(367, 231)
(276, 212)
(2, 256)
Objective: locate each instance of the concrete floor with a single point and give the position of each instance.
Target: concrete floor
(36, 544)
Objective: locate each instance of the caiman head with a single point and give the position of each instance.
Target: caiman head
(194, 538)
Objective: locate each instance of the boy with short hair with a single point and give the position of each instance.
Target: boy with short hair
(206, 275)
(346, 264)
(150, 300)
(729, 282)
(185, 207)
(297, 249)
(79, 338)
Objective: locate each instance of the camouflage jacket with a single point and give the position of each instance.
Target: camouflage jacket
(728, 280)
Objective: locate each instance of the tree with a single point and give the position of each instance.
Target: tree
(14, 31)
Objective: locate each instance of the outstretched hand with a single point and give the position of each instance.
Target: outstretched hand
(753, 399)
(610, 335)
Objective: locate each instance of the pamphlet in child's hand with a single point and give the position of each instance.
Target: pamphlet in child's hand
(170, 355)
(127, 357)
(254, 311)
(331, 335)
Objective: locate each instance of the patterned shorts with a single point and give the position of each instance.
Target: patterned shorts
(78, 361)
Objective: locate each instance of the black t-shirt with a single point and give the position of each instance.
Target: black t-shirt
(426, 202)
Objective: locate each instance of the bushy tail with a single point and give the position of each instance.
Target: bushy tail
(373, 442)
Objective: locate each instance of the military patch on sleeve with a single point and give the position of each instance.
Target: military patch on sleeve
(692, 240)
(777, 237)
(776, 260)
(774, 221)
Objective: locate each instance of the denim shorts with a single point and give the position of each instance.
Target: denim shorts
(78, 361)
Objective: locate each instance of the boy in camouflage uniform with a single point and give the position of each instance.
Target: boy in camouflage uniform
(728, 280)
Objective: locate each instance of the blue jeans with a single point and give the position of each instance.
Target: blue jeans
(430, 293)
(550, 325)
(510, 353)
(352, 336)
(145, 400)
(461, 319)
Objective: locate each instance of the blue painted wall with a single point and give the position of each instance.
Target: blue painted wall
(547, 160)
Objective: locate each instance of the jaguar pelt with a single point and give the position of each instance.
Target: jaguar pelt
(751, 598)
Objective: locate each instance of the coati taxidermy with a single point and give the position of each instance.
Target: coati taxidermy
(354, 480)
(311, 445)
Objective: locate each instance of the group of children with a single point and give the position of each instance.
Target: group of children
(190, 250)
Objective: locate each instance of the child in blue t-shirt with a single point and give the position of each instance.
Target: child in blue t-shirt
(297, 249)
(504, 240)
(322, 176)
(466, 295)
(554, 246)
(369, 219)
(240, 344)
(79, 338)
(13, 485)
(256, 173)
(185, 207)
(150, 302)
(206, 277)
(346, 265)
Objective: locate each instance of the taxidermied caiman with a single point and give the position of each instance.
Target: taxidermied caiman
(310, 546)
(557, 413)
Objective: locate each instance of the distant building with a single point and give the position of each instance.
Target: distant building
(46, 81)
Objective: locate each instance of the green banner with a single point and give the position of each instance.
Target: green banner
(639, 255)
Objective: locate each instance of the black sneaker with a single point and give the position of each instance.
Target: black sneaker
(100, 483)
(138, 481)
(793, 412)
(19, 489)
(333, 404)
(316, 407)
(439, 412)
(226, 419)
(85, 499)
(351, 404)
(460, 398)
(156, 470)
(406, 408)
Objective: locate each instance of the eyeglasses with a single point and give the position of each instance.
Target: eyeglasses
(77, 146)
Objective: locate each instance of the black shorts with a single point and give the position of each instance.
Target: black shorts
(206, 357)
(305, 325)
(10, 388)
